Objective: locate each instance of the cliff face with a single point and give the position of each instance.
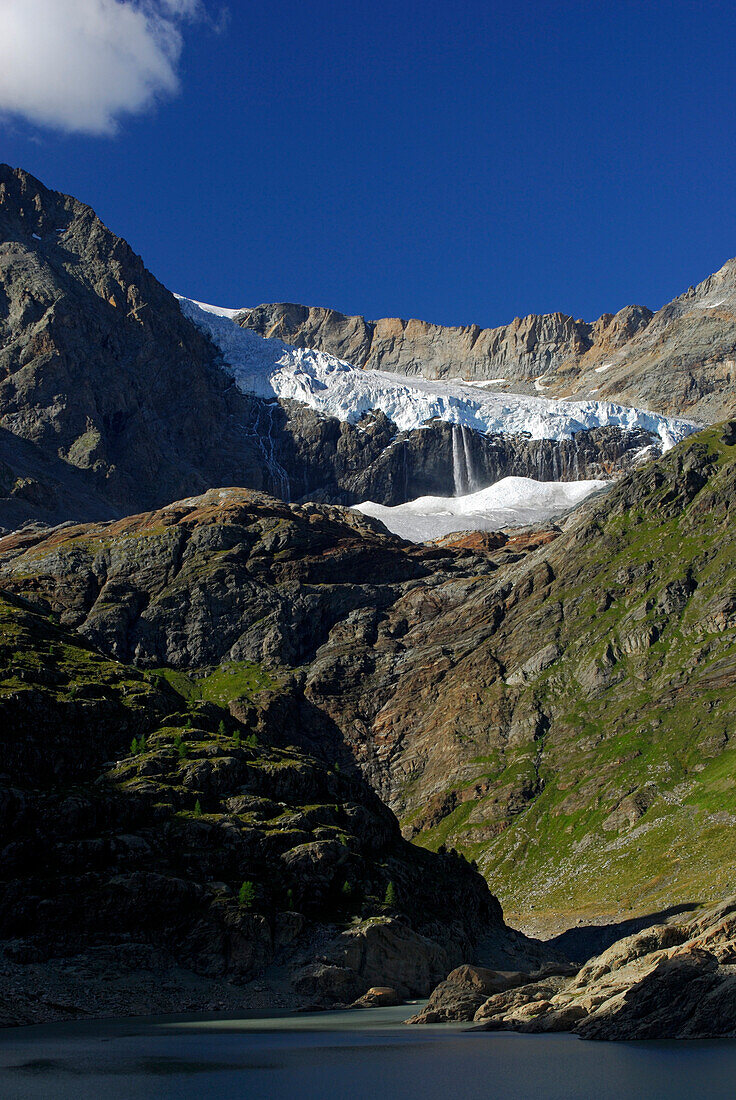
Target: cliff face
(679, 360)
(557, 709)
(520, 352)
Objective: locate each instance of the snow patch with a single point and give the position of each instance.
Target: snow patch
(481, 382)
(217, 311)
(269, 368)
(603, 367)
(511, 502)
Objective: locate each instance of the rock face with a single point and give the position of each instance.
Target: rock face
(560, 709)
(390, 467)
(681, 359)
(672, 981)
(528, 348)
(158, 853)
(116, 398)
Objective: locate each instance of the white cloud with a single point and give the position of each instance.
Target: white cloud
(79, 65)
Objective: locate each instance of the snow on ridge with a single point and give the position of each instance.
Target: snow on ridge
(511, 502)
(216, 311)
(270, 368)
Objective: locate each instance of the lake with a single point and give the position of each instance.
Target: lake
(358, 1055)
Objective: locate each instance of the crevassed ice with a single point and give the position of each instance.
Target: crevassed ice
(270, 368)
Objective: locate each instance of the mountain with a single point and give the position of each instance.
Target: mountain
(680, 360)
(560, 708)
(113, 400)
(256, 749)
(109, 398)
(159, 853)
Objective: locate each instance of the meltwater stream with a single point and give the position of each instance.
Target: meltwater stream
(356, 1055)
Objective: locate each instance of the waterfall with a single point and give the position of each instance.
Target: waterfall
(458, 462)
(463, 469)
(469, 468)
(267, 444)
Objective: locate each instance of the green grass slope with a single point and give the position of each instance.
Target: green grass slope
(625, 795)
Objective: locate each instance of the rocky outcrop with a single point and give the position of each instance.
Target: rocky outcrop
(672, 981)
(681, 359)
(467, 988)
(158, 853)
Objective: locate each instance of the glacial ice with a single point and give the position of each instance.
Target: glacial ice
(269, 368)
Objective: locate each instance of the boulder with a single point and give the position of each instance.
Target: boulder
(379, 996)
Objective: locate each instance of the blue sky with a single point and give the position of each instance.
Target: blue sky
(459, 162)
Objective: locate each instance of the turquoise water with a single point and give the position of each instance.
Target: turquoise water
(361, 1055)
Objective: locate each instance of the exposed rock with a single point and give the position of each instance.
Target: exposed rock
(467, 988)
(520, 352)
(669, 981)
(379, 996)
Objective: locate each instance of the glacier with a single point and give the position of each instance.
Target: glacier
(511, 502)
(269, 368)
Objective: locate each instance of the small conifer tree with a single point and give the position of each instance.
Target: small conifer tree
(247, 895)
(197, 808)
(390, 898)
